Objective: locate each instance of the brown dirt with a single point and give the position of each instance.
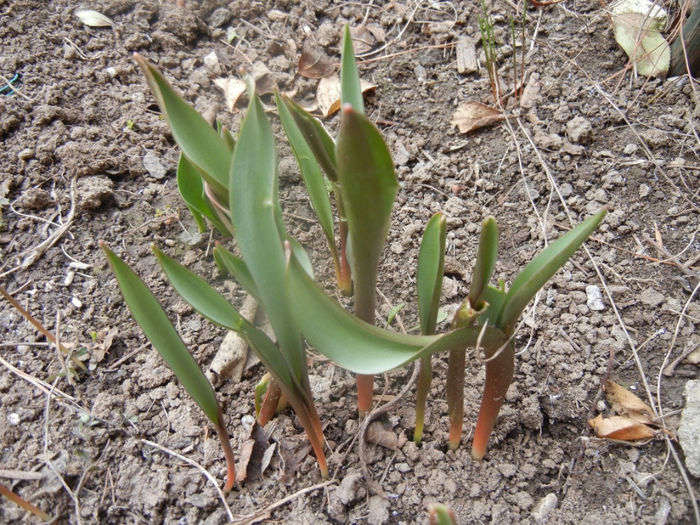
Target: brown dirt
(78, 133)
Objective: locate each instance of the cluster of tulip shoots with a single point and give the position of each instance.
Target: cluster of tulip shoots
(232, 184)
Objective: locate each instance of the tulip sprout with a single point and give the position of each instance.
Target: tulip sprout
(231, 183)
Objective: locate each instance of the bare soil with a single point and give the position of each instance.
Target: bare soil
(72, 170)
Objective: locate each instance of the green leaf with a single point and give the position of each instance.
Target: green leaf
(316, 136)
(198, 140)
(485, 260)
(311, 173)
(191, 189)
(212, 305)
(238, 269)
(431, 265)
(350, 90)
(439, 514)
(367, 185)
(256, 216)
(357, 345)
(148, 313)
(541, 268)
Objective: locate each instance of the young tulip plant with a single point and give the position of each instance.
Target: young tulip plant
(232, 184)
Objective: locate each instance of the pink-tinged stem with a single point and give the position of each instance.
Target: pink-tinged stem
(499, 373)
(455, 395)
(228, 453)
(270, 402)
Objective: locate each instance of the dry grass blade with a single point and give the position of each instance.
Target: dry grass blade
(12, 496)
(199, 467)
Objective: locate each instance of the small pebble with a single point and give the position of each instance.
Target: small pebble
(595, 298)
(76, 302)
(153, 165)
(13, 418)
(545, 507)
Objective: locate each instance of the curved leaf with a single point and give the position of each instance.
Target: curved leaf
(189, 183)
(350, 89)
(485, 260)
(148, 313)
(197, 139)
(212, 305)
(357, 345)
(431, 265)
(316, 136)
(541, 268)
(238, 269)
(311, 173)
(367, 185)
(256, 216)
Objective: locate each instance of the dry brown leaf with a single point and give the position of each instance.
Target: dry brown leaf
(626, 404)
(314, 63)
(233, 88)
(365, 38)
(377, 434)
(252, 460)
(328, 94)
(474, 115)
(620, 428)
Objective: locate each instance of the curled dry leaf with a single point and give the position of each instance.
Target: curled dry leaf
(626, 404)
(620, 428)
(233, 88)
(328, 94)
(255, 455)
(92, 18)
(474, 115)
(365, 38)
(314, 63)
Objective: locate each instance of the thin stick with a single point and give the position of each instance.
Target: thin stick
(197, 466)
(262, 514)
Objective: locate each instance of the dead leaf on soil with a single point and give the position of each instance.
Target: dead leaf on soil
(103, 342)
(377, 434)
(365, 38)
(92, 18)
(474, 115)
(328, 94)
(627, 404)
(233, 88)
(620, 428)
(255, 455)
(314, 63)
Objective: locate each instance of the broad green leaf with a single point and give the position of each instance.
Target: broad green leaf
(212, 305)
(198, 140)
(192, 191)
(485, 260)
(367, 185)
(148, 313)
(541, 268)
(350, 90)
(256, 217)
(238, 269)
(431, 265)
(316, 136)
(359, 346)
(311, 173)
